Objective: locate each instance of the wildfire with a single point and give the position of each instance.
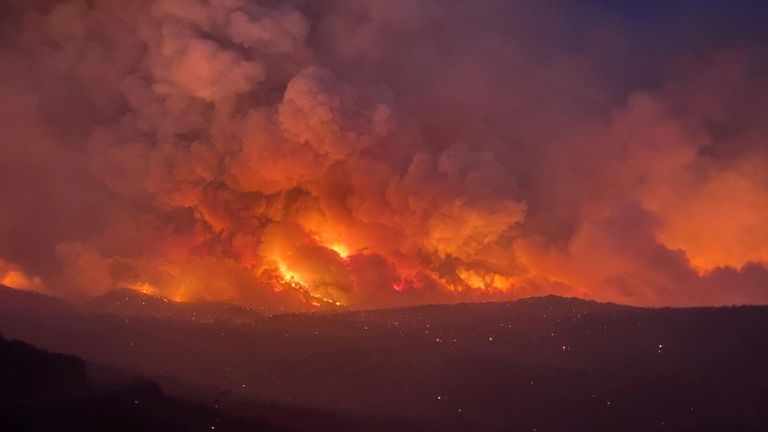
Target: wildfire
(232, 149)
(339, 249)
(485, 281)
(17, 279)
(287, 279)
(14, 277)
(144, 288)
(175, 295)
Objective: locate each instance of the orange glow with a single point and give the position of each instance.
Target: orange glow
(720, 221)
(485, 281)
(144, 288)
(248, 153)
(339, 249)
(13, 277)
(291, 280)
(17, 279)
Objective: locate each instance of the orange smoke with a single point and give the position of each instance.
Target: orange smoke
(366, 154)
(14, 277)
(718, 219)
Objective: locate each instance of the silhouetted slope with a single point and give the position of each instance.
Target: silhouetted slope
(549, 363)
(132, 303)
(41, 391)
(32, 302)
(27, 373)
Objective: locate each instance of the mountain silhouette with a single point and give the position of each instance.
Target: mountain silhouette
(545, 364)
(132, 303)
(42, 391)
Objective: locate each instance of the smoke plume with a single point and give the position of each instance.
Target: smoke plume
(289, 155)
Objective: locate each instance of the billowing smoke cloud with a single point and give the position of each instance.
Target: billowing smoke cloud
(293, 154)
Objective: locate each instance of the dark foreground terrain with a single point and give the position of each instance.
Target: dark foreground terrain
(543, 364)
(43, 391)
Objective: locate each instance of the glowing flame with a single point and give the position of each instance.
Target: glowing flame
(339, 249)
(144, 288)
(175, 295)
(288, 279)
(13, 277)
(486, 281)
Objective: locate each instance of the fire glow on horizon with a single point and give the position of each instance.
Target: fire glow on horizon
(376, 153)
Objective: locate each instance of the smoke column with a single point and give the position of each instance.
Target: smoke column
(293, 155)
